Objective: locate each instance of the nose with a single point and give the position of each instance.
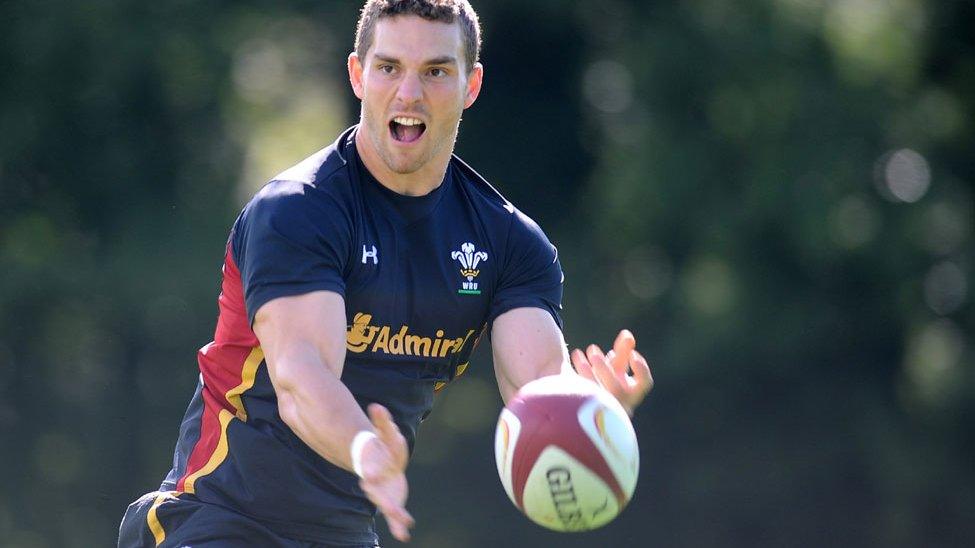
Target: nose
(410, 89)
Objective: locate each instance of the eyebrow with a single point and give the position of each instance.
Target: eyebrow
(443, 60)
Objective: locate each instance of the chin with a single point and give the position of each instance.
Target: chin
(405, 164)
(405, 168)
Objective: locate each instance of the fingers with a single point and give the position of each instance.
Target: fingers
(622, 349)
(618, 358)
(641, 372)
(388, 432)
(581, 365)
(602, 370)
(386, 496)
(388, 489)
(622, 371)
(399, 529)
(382, 419)
(398, 519)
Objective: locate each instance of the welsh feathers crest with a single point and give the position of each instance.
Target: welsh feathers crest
(469, 259)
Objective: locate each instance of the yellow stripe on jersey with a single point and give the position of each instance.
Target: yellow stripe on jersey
(247, 375)
(460, 371)
(216, 458)
(155, 526)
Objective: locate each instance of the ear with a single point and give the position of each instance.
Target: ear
(474, 84)
(355, 74)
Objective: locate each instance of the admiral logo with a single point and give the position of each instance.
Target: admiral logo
(362, 336)
(468, 261)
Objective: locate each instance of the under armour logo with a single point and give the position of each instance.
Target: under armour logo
(374, 255)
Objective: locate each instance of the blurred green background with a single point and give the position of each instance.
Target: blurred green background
(776, 196)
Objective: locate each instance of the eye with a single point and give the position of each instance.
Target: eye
(386, 69)
(438, 72)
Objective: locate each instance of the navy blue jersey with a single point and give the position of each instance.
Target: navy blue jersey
(422, 278)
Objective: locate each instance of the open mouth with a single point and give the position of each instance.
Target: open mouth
(405, 129)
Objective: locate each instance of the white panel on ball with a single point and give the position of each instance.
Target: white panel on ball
(617, 441)
(505, 436)
(564, 495)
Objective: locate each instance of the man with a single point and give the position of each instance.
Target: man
(355, 284)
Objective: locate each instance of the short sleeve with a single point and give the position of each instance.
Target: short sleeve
(531, 275)
(290, 239)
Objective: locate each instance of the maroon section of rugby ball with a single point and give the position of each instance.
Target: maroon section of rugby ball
(552, 419)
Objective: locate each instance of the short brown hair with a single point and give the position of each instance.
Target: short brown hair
(444, 11)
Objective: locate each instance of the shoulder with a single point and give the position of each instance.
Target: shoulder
(323, 166)
(520, 225)
(320, 182)
(310, 204)
(477, 186)
(290, 201)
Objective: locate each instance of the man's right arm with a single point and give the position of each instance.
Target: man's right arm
(303, 339)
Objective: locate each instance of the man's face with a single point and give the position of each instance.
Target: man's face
(414, 85)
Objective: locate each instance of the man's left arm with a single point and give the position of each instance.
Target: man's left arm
(527, 344)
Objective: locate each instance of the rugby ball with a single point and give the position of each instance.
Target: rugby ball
(566, 453)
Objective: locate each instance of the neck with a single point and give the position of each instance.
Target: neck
(417, 183)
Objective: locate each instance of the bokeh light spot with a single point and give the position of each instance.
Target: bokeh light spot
(931, 362)
(608, 86)
(287, 86)
(875, 39)
(947, 226)
(709, 286)
(853, 222)
(903, 176)
(259, 71)
(647, 272)
(945, 288)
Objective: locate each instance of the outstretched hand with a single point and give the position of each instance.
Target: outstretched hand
(384, 460)
(622, 371)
